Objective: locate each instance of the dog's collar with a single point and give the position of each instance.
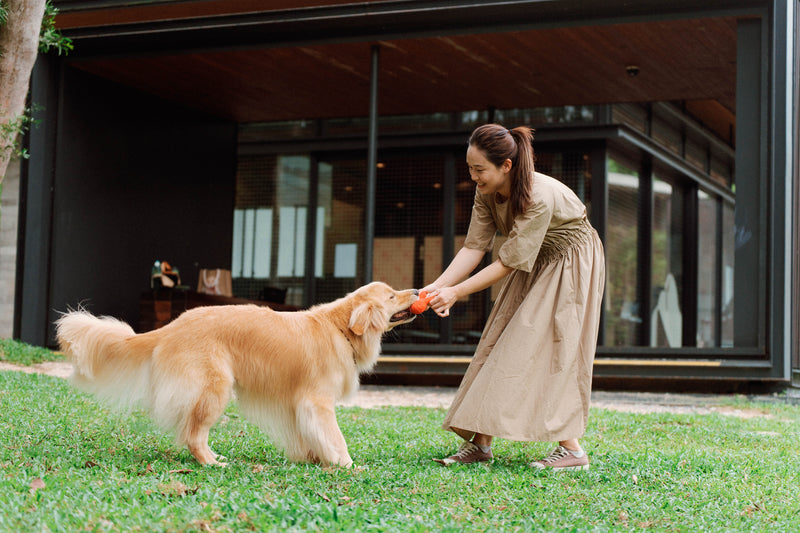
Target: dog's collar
(351, 345)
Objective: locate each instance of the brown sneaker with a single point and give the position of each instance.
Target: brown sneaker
(467, 453)
(562, 459)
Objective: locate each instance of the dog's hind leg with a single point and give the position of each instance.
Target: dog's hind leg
(278, 422)
(205, 412)
(316, 422)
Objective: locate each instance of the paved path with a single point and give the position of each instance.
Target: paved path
(371, 396)
(630, 402)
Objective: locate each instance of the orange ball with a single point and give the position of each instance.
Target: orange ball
(421, 305)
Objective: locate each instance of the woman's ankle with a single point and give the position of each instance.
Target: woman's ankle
(572, 445)
(484, 441)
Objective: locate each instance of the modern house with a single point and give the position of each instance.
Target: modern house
(310, 146)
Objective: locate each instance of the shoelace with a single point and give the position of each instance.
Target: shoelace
(559, 453)
(465, 449)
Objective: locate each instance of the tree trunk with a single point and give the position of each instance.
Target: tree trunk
(19, 45)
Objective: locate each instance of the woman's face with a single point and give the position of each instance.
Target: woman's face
(488, 178)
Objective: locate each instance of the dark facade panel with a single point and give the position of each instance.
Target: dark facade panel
(136, 180)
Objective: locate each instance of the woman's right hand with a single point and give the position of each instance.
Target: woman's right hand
(429, 289)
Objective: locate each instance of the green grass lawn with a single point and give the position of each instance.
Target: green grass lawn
(68, 464)
(16, 352)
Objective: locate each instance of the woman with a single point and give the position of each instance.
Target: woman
(530, 377)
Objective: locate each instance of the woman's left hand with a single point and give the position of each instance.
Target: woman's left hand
(443, 300)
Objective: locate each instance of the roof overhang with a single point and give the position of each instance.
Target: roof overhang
(248, 61)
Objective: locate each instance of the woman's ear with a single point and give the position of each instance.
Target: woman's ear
(506, 166)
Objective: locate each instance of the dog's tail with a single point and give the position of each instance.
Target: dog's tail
(110, 360)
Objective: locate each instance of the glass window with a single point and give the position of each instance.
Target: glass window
(623, 320)
(573, 168)
(707, 270)
(415, 123)
(339, 265)
(269, 228)
(666, 275)
(472, 312)
(469, 120)
(728, 261)
(252, 241)
(408, 233)
(257, 132)
(569, 114)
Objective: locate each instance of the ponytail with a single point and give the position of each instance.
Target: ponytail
(523, 168)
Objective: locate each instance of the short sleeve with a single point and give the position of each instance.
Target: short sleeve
(482, 228)
(526, 236)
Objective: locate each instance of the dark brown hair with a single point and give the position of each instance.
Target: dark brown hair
(498, 144)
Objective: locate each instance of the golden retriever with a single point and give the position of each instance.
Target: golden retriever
(288, 369)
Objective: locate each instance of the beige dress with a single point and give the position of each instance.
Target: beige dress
(530, 378)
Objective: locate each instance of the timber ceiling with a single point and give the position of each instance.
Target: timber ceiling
(690, 61)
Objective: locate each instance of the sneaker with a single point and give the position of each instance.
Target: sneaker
(467, 453)
(562, 459)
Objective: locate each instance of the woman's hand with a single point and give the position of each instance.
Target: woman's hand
(443, 300)
(430, 289)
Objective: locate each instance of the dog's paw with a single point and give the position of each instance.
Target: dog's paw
(341, 463)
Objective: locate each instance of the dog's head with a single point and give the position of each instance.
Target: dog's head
(378, 307)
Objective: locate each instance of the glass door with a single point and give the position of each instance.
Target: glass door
(339, 247)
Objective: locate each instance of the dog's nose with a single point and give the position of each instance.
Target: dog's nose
(416, 292)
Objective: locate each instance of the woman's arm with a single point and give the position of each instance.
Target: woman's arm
(447, 296)
(462, 264)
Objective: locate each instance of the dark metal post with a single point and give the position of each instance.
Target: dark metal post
(599, 214)
(689, 246)
(372, 163)
(750, 273)
(310, 292)
(448, 234)
(645, 251)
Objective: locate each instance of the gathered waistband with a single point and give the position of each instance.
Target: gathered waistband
(556, 247)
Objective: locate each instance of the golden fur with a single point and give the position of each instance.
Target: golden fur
(287, 369)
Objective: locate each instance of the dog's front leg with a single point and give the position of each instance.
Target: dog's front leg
(316, 420)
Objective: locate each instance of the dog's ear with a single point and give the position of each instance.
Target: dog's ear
(366, 316)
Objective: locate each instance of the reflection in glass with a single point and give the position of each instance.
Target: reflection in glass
(408, 233)
(666, 278)
(340, 228)
(271, 206)
(728, 240)
(623, 320)
(707, 270)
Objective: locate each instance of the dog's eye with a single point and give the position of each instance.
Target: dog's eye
(391, 296)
